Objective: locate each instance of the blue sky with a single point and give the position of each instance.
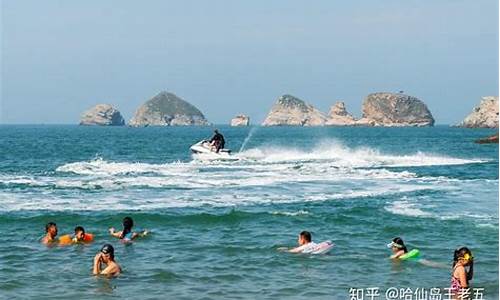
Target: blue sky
(227, 57)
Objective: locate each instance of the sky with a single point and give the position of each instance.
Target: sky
(59, 58)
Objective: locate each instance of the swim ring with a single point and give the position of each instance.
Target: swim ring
(413, 254)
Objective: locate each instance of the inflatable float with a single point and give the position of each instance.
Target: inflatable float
(68, 239)
(413, 254)
(321, 248)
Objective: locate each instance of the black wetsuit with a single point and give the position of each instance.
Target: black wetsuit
(218, 140)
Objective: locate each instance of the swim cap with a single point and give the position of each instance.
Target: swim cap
(108, 249)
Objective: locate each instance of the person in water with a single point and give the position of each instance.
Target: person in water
(81, 236)
(398, 248)
(106, 257)
(460, 276)
(50, 233)
(127, 234)
(217, 141)
(305, 242)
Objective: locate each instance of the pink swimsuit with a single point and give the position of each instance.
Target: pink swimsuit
(455, 287)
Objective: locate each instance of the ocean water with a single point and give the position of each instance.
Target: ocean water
(216, 225)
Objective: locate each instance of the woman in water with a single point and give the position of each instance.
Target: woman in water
(460, 277)
(398, 248)
(127, 234)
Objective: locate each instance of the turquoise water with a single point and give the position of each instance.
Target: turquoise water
(216, 225)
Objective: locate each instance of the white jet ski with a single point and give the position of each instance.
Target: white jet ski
(205, 150)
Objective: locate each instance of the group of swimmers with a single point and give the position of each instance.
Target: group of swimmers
(462, 268)
(104, 260)
(105, 264)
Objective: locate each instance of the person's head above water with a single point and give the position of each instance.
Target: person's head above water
(304, 238)
(464, 255)
(128, 223)
(397, 245)
(79, 233)
(108, 251)
(216, 130)
(51, 229)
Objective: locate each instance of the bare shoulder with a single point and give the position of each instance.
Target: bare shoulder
(458, 270)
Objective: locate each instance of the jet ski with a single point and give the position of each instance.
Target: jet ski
(203, 149)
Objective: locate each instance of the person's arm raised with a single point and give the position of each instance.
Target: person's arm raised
(97, 264)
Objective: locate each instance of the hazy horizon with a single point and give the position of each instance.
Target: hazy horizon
(60, 58)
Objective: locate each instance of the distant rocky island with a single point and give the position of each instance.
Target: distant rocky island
(166, 109)
(240, 120)
(395, 109)
(379, 109)
(102, 115)
(483, 116)
(338, 116)
(290, 110)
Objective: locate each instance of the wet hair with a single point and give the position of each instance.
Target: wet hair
(79, 228)
(48, 225)
(460, 253)
(399, 241)
(306, 235)
(128, 223)
(108, 249)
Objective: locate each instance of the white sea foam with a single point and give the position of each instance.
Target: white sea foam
(406, 208)
(345, 156)
(330, 171)
(291, 213)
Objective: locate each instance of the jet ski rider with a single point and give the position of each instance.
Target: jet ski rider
(217, 141)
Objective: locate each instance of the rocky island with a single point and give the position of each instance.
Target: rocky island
(394, 109)
(102, 115)
(339, 116)
(290, 110)
(166, 109)
(483, 116)
(240, 120)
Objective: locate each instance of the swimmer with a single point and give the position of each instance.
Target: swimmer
(305, 242)
(80, 236)
(460, 276)
(127, 234)
(400, 252)
(50, 233)
(106, 257)
(398, 248)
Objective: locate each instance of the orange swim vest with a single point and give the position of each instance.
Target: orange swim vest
(89, 237)
(67, 239)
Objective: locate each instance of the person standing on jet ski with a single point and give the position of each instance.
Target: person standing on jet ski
(217, 141)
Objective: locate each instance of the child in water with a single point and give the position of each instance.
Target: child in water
(398, 248)
(106, 257)
(80, 236)
(50, 233)
(127, 234)
(460, 277)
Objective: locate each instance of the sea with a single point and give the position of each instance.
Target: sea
(217, 226)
